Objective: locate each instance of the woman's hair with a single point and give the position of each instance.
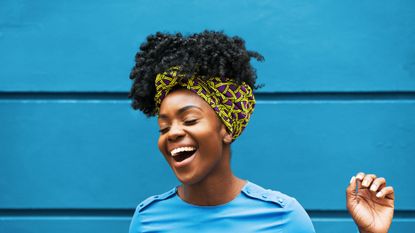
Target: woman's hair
(206, 54)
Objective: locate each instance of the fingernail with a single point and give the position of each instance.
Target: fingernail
(374, 187)
(379, 194)
(365, 183)
(352, 179)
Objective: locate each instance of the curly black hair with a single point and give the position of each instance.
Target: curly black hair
(206, 54)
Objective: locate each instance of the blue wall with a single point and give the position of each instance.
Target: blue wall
(339, 98)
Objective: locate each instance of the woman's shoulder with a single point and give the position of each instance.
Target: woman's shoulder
(295, 215)
(155, 198)
(258, 192)
(145, 208)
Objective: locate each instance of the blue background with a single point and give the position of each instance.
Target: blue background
(339, 98)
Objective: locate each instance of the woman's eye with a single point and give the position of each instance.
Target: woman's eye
(190, 122)
(164, 130)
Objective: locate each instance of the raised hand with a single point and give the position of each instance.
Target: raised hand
(371, 204)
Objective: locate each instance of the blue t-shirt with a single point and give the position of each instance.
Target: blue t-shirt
(255, 209)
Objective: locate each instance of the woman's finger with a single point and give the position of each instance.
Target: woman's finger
(360, 175)
(359, 178)
(367, 181)
(352, 186)
(386, 192)
(378, 184)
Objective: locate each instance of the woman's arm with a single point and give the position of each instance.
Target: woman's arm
(370, 202)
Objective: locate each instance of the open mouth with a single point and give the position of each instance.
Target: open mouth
(182, 153)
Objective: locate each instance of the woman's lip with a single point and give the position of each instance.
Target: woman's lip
(184, 162)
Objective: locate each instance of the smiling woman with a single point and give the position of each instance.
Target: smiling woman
(201, 88)
(191, 137)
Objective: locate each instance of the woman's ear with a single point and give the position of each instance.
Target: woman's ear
(226, 136)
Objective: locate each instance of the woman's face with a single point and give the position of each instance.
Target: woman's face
(191, 136)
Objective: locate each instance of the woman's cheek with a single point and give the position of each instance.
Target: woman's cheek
(160, 144)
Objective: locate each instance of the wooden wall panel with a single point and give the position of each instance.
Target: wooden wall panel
(308, 46)
(101, 154)
(64, 224)
(121, 224)
(339, 98)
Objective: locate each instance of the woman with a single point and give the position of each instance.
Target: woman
(201, 88)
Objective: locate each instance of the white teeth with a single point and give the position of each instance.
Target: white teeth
(175, 151)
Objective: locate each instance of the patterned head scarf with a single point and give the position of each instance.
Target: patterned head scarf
(233, 103)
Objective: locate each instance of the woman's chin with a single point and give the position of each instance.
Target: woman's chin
(187, 178)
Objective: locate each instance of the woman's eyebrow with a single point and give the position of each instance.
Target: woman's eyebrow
(181, 111)
(185, 108)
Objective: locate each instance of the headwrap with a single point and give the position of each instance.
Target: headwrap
(233, 103)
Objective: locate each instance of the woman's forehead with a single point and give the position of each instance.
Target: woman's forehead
(180, 98)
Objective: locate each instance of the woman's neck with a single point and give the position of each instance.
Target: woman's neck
(216, 190)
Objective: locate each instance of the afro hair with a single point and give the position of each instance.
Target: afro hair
(206, 54)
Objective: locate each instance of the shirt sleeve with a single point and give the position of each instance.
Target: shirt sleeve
(299, 221)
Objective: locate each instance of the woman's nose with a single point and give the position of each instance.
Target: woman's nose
(175, 132)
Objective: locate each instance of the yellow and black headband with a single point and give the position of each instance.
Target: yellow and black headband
(233, 103)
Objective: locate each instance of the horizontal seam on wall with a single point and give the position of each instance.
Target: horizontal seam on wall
(90, 212)
(260, 96)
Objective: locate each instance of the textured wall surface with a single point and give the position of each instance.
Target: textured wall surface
(339, 98)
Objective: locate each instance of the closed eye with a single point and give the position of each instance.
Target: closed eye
(164, 130)
(190, 122)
